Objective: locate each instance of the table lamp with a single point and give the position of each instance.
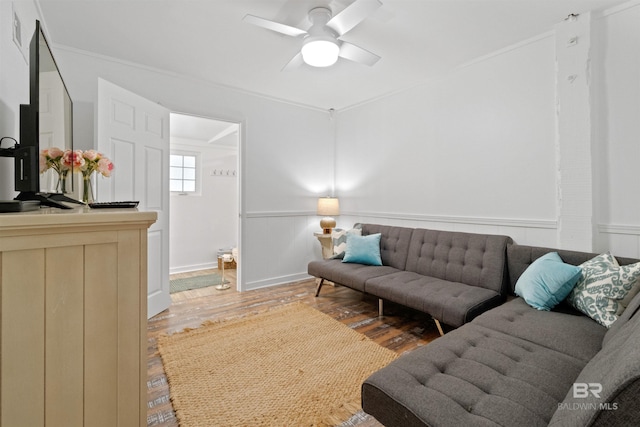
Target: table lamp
(328, 207)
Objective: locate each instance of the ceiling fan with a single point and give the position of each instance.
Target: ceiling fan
(322, 43)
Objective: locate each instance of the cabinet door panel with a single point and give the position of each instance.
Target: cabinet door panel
(101, 334)
(22, 338)
(130, 294)
(64, 336)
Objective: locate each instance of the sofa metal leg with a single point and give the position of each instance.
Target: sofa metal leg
(319, 286)
(439, 326)
(380, 307)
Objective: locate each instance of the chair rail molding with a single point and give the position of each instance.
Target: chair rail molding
(619, 229)
(494, 221)
(279, 214)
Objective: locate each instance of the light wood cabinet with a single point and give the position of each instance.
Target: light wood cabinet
(73, 304)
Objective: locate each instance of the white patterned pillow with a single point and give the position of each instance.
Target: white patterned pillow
(604, 288)
(339, 239)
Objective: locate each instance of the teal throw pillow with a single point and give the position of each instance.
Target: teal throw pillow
(547, 281)
(605, 288)
(363, 249)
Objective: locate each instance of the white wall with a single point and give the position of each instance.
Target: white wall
(618, 130)
(473, 151)
(479, 150)
(205, 222)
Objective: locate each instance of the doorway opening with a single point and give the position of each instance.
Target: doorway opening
(204, 206)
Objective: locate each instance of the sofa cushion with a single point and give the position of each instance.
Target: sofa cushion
(394, 243)
(472, 376)
(347, 274)
(603, 287)
(472, 259)
(452, 303)
(547, 281)
(363, 249)
(614, 373)
(575, 335)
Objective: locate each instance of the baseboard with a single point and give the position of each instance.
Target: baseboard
(290, 278)
(194, 267)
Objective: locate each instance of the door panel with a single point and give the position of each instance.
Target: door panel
(153, 179)
(154, 288)
(123, 153)
(134, 133)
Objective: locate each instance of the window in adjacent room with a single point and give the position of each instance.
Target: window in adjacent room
(184, 173)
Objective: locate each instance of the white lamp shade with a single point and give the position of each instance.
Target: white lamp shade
(328, 206)
(320, 52)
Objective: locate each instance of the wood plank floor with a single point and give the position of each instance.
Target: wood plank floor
(401, 329)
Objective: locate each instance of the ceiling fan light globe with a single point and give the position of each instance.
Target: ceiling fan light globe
(320, 53)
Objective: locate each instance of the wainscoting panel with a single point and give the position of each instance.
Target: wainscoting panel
(277, 246)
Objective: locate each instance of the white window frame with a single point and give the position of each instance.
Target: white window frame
(198, 172)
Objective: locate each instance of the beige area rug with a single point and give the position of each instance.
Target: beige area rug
(290, 366)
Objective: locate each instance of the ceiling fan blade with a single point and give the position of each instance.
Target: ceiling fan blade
(355, 13)
(274, 26)
(357, 54)
(295, 62)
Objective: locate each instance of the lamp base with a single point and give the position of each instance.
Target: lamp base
(327, 223)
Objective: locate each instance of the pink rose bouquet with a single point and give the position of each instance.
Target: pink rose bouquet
(54, 158)
(96, 162)
(87, 162)
(73, 160)
(105, 166)
(93, 162)
(51, 158)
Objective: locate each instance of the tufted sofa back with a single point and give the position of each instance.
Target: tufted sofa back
(519, 257)
(394, 243)
(472, 259)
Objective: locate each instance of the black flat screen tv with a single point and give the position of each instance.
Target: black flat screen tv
(46, 122)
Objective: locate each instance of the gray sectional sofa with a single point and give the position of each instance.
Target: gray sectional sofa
(452, 276)
(517, 366)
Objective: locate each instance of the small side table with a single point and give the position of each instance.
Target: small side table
(223, 286)
(326, 242)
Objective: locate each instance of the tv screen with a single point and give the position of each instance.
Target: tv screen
(46, 126)
(54, 113)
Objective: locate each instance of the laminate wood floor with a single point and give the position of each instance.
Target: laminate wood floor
(401, 329)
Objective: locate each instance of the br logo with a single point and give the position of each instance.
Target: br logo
(582, 390)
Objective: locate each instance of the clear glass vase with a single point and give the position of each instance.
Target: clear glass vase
(87, 189)
(61, 186)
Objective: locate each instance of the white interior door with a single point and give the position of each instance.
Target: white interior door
(134, 133)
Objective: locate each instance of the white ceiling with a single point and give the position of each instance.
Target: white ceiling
(417, 40)
(203, 131)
